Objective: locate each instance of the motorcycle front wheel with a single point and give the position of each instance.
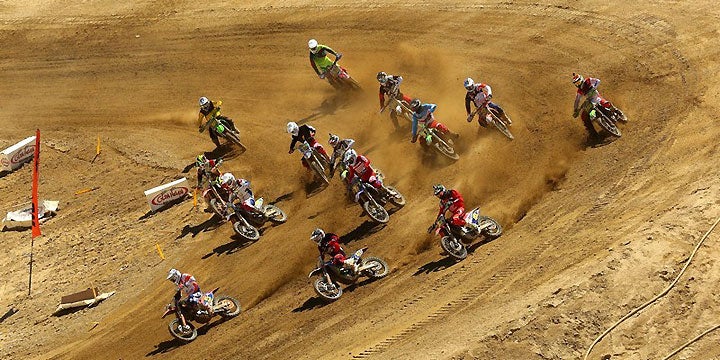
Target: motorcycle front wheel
(235, 138)
(454, 248)
(327, 291)
(446, 150)
(217, 208)
(376, 212)
(278, 216)
(246, 231)
(379, 267)
(319, 171)
(608, 125)
(185, 336)
(229, 307)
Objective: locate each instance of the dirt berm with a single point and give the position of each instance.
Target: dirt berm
(591, 233)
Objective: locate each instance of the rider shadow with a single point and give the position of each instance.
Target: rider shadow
(208, 225)
(229, 248)
(4, 174)
(435, 266)
(358, 285)
(315, 188)
(607, 140)
(364, 230)
(328, 107)
(312, 303)
(165, 347)
(282, 197)
(225, 151)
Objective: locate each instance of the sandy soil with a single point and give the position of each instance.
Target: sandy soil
(591, 233)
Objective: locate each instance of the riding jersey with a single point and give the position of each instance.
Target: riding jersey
(305, 133)
(424, 116)
(209, 113)
(330, 245)
(209, 170)
(588, 88)
(361, 168)
(340, 149)
(479, 94)
(319, 61)
(391, 87)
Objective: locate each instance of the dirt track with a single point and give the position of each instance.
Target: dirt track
(590, 233)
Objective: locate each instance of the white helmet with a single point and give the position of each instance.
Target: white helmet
(469, 84)
(293, 128)
(174, 276)
(350, 157)
(317, 235)
(204, 102)
(313, 45)
(227, 179)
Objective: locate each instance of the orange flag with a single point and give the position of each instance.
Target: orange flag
(36, 175)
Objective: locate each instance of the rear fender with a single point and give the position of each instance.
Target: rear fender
(316, 271)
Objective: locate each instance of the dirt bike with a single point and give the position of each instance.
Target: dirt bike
(492, 116)
(329, 276)
(207, 307)
(220, 126)
(318, 162)
(373, 200)
(239, 224)
(338, 76)
(432, 138)
(454, 238)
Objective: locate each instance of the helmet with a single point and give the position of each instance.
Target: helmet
(227, 179)
(469, 84)
(174, 276)
(415, 104)
(317, 235)
(350, 157)
(313, 46)
(200, 160)
(382, 77)
(204, 102)
(439, 190)
(334, 140)
(577, 79)
(293, 128)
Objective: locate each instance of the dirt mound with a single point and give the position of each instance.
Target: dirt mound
(590, 232)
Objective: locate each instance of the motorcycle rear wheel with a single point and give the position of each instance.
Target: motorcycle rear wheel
(454, 248)
(235, 139)
(494, 231)
(446, 150)
(380, 268)
(231, 304)
(247, 232)
(174, 328)
(328, 292)
(279, 217)
(398, 199)
(376, 212)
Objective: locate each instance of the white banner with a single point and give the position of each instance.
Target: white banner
(162, 195)
(14, 156)
(22, 217)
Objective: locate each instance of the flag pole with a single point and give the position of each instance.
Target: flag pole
(35, 219)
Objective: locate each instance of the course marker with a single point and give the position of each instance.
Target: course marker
(159, 250)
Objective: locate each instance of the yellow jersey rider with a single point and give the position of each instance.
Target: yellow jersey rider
(211, 110)
(320, 62)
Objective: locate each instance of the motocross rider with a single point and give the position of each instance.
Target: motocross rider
(238, 189)
(481, 94)
(390, 85)
(185, 283)
(321, 63)
(587, 88)
(304, 133)
(450, 200)
(207, 168)
(211, 110)
(339, 148)
(358, 168)
(330, 244)
(423, 114)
